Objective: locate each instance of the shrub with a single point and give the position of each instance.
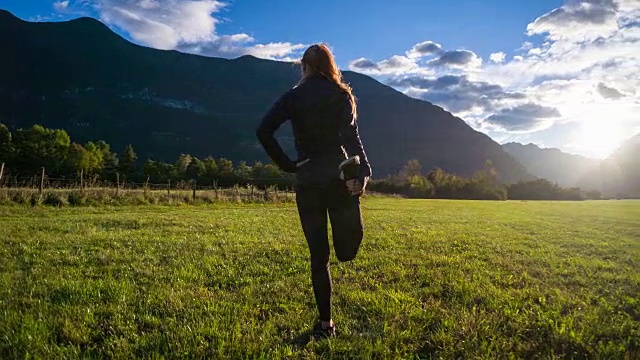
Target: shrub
(77, 198)
(57, 199)
(24, 197)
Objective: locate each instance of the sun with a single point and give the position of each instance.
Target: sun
(599, 139)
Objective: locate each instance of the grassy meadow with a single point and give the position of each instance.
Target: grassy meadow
(434, 279)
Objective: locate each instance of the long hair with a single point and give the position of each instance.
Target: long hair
(318, 59)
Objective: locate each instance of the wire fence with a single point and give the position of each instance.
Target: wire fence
(191, 190)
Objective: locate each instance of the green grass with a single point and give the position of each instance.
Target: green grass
(441, 279)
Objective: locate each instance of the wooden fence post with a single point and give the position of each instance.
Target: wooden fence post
(146, 187)
(195, 185)
(41, 188)
(81, 179)
(215, 188)
(117, 184)
(169, 187)
(1, 172)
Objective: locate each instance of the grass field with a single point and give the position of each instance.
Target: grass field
(434, 279)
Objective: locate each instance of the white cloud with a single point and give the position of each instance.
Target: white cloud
(498, 57)
(526, 46)
(396, 64)
(534, 51)
(457, 93)
(583, 73)
(422, 58)
(185, 25)
(61, 5)
(458, 59)
(609, 92)
(580, 20)
(162, 24)
(363, 64)
(527, 117)
(278, 50)
(240, 44)
(425, 49)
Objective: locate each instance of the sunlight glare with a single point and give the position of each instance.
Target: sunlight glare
(600, 139)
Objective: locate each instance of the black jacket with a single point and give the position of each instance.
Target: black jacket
(324, 129)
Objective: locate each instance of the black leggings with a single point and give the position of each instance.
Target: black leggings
(314, 202)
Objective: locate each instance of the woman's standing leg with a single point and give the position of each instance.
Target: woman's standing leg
(313, 217)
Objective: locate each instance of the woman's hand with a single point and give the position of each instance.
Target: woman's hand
(356, 187)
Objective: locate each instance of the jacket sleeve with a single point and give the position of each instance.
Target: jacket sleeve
(275, 117)
(351, 138)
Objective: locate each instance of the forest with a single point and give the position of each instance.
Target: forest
(24, 154)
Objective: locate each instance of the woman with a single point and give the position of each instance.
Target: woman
(322, 111)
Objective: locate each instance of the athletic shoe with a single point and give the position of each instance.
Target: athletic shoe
(350, 168)
(320, 332)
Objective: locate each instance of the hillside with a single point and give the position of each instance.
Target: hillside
(619, 174)
(616, 176)
(552, 164)
(82, 77)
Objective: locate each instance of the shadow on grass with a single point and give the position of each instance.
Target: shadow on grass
(306, 337)
(303, 339)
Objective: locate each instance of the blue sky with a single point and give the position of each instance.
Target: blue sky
(371, 28)
(374, 28)
(557, 73)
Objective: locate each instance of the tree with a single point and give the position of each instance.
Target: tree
(420, 187)
(127, 164)
(59, 148)
(78, 158)
(410, 169)
(489, 173)
(38, 147)
(225, 172)
(150, 168)
(243, 172)
(258, 173)
(159, 171)
(266, 174)
(437, 177)
(109, 158)
(593, 195)
(6, 147)
(96, 158)
(211, 168)
(225, 167)
(541, 189)
(196, 169)
(183, 163)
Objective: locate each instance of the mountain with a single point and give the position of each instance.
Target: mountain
(619, 174)
(616, 176)
(82, 77)
(627, 160)
(552, 164)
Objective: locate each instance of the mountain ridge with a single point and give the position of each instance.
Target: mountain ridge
(615, 176)
(97, 85)
(548, 149)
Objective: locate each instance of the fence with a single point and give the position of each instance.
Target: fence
(92, 185)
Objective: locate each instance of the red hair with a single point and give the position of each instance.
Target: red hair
(318, 59)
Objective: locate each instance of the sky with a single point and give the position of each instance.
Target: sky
(556, 73)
